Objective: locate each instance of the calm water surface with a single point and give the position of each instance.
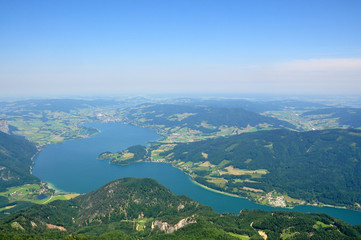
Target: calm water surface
(73, 166)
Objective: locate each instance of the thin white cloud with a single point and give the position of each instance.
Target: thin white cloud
(341, 64)
(314, 76)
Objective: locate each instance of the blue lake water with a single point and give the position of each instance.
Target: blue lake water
(73, 166)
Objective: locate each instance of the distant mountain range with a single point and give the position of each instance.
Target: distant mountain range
(202, 118)
(255, 106)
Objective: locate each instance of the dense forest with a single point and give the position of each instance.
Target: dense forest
(143, 209)
(316, 166)
(15, 161)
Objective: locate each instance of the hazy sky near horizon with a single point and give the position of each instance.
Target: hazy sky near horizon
(186, 46)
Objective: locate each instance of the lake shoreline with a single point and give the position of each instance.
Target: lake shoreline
(74, 167)
(57, 190)
(217, 191)
(319, 205)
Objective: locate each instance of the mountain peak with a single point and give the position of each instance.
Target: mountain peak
(129, 198)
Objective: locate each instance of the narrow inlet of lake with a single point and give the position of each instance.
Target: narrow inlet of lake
(72, 166)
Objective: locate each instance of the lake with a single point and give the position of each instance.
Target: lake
(72, 166)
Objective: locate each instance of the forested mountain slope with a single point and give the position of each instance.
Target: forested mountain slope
(202, 118)
(143, 209)
(316, 166)
(15, 161)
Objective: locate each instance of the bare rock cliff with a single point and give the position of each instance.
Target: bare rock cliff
(166, 227)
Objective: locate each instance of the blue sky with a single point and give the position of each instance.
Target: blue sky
(114, 47)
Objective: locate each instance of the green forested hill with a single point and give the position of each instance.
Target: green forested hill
(317, 166)
(131, 198)
(203, 118)
(143, 209)
(126, 204)
(15, 161)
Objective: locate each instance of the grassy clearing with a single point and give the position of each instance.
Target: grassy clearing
(182, 135)
(243, 237)
(319, 225)
(252, 189)
(70, 195)
(155, 155)
(180, 116)
(14, 192)
(221, 182)
(166, 147)
(230, 148)
(57, 197)
(202, 168)
(249, 128)
(7, 207)
(225, 131)
(269, 146)
(287, 234)
(208, 126)
(117, 157)
(248, 161)
(140, 223)
(236, 171)
(238, 180)
(126, 156)
(223, 163)
(30, 193)
(292, 200)
(206, 164)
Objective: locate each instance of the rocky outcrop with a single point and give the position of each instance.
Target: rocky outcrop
(5, 174)
(51, 226)
(4, 126)
(166, 227)
(180, 207)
